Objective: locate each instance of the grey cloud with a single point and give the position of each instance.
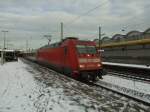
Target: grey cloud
(34, 18)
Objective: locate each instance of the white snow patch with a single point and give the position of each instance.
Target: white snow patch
(16, 85)
(128, 65)
(128, 83)
(20, 92)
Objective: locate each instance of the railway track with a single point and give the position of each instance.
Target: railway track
(131, 94)
(129, 76)
(132, 73)
(100, 86)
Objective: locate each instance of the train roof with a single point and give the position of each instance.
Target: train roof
(70, 38)
(57, 44)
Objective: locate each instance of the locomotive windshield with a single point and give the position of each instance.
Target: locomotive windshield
(83, 49)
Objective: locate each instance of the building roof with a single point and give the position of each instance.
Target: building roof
(133, 33)
(117, 36)
(147, 30)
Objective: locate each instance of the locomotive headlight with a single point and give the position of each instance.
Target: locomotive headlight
(98, 65)
(81, 66)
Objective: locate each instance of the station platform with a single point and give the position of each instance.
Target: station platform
(127, 65)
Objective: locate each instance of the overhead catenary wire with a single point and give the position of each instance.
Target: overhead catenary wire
(132, 18)
(99, 6)
(84, 14)
(87, 12)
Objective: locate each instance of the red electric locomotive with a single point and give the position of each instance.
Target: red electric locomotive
(76, 58)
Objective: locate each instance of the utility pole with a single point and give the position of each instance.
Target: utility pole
(99, 37)
(4, 47)
(61, 34)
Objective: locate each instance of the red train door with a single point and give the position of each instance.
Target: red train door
(64, 58)
(66, 62)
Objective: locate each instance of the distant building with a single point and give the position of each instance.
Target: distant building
(106, 40)
(134, 35)
(118, 38)
(146, 33)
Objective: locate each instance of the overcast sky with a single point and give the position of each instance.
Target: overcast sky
(31, 19)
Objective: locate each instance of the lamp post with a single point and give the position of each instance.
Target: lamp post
(4, 47)
(4, 31)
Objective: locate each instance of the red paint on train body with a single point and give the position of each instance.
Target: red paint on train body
(73, 57)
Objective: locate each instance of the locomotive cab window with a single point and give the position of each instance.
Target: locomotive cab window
(91, 49)
(83, 49)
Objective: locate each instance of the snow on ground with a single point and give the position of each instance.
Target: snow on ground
(16, 85)
(32, 88)
(131, 88)
(131, 84)
(127, 65)
(18, 89)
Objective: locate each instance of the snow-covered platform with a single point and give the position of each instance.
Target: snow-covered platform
(28, 87)
(143, 87)
(129, 87)
(128, 65)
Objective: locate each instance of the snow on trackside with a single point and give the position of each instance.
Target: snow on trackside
(131, 88)
(16, 84)
(32, 88)
(19, 92)
(128, 83)
(128, 65)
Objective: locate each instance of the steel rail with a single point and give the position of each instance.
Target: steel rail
(101, 86)
(123, 94)
(134, 73)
